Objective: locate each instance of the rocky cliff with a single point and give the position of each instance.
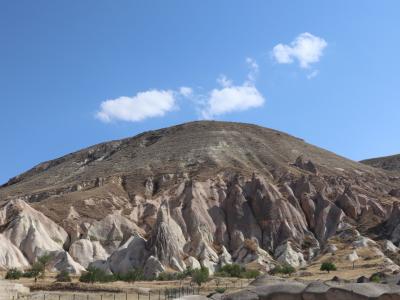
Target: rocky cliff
(202, 193)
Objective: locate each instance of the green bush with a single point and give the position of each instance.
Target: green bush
(250, 274)
(35, 271)
(284, 269)
(63, 276)
(96, 275)
(235, 270)
(13, 274)
(168, 276)
(328, 266)
(200, 276)
(131, 276)
(375, 278)
(220, 290)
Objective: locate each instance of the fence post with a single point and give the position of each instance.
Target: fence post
(114, 296)
(126, 296)
(149, 295)
(138, 295)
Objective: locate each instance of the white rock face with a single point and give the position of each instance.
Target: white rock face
(353, 256)
(63, 261)
(363, 241)
(111, 230)
(11, 256)
(389, 246)
(31, 231)
(132, 254)
(153, 267)
(85, 252)
(225, 258)
(192, 263)
(35, 235)
(286, 254)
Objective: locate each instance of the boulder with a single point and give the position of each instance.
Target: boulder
(62, 261)
(192, 263)
(85, 251)
(152, 268)
(131, 255)
(286, 255)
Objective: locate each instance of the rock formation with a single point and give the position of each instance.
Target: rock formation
(202, 193)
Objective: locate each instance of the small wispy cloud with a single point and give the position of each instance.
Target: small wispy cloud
(313, 74)
(307, 49)
(144, 105)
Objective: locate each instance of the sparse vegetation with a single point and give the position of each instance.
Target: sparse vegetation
(96, 275)
(235, 270)
(220, 290)
(285, 269)
(168, 276)
(131, 276)
(63, 276)
(200, 276)
(328, 266)
(377, 278)
(13, 274)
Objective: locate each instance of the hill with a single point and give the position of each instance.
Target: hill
(206, 193)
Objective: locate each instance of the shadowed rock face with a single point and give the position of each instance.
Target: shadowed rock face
(390, 163)
(199, 193)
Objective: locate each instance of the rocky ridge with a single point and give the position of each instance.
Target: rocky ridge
(201, 193)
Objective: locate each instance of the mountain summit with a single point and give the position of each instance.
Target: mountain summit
(202, 193)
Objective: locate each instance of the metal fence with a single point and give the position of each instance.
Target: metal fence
(166, 294)
(161, 294)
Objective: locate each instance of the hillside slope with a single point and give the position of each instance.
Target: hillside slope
(205, 193)
(390, 163)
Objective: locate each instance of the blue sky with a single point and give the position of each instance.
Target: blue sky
(60, 60)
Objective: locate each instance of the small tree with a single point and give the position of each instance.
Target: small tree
(200, 276)
(36, 271)
(44, 261)
(63, 276)
(328, 266)
(13, 274)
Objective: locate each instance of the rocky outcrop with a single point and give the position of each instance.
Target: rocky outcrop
(287, 255)
(11, 256)
(236, 193)
(131, 255)
(85, 252)
(276, 289)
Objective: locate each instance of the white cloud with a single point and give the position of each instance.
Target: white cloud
(186, 91)
(148, 104)
(306, 48)
(156, 103)
(233, 98)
